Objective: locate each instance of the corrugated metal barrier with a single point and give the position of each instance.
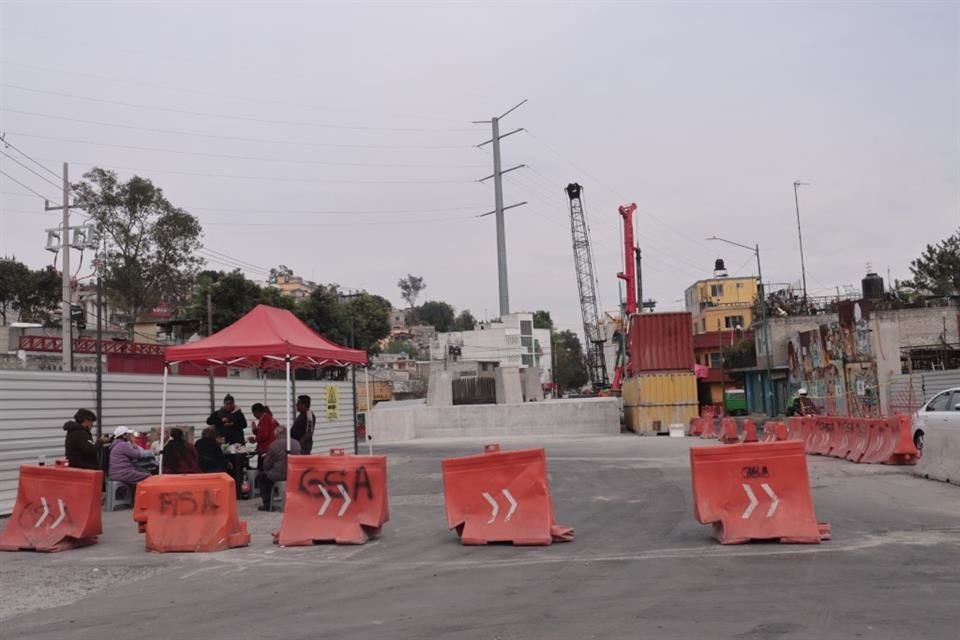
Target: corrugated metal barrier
(35, 404)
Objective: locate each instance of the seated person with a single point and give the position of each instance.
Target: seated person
(209, 452)
(275, 466)
(124, 455)
(179, 456)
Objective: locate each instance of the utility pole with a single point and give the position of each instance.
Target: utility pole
(497, 176)
(639, 280)
(100, 263)
(803, 270)
(66, 321)
(213, 401)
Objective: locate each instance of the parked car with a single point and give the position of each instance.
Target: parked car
(943, 408)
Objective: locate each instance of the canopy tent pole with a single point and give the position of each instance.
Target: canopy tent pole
(263, 372)
(163, 414)
(366, 414)
(289, 404)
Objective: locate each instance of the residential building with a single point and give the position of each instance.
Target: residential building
(512, 340)
(721, 303)
(294, 286)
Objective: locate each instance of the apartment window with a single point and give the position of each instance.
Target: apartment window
(703, 325)
(526, 327)
(732, 322)
(716, 290)
(526, 342)
(527, 360)
(716, 361)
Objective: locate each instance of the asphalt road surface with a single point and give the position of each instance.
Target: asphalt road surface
(640, 567)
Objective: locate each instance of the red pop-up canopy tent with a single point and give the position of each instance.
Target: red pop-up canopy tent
(265, 338)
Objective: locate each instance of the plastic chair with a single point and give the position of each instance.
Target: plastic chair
(252, 480)
(118, 494)
(277, 496)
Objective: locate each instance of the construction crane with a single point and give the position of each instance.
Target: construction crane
(593, 331)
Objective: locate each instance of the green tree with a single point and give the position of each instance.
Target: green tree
(464, 321)
(438, 315)
(153, 245)
(410, 288)
(232, 295)
(938, 267)
(542, 320)
(571, 368)
(401, 346)
(336, 316)
(35, 295)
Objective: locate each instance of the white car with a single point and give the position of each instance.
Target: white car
(943, 408)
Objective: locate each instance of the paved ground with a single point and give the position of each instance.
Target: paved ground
(641, 567)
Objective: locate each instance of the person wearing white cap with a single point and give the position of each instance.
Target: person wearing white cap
(124, 455)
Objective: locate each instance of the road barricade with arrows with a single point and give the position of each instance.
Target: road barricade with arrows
(755, 491)
(501, 496)
(337, 498)
(57, 508)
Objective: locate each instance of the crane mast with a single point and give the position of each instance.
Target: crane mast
(594, 334)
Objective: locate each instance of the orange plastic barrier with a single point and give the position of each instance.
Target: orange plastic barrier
(501, 496)
(728, 431)
(843, 437)
(749, 431)
(57, 508)
(891, 442)
(696, 427)
(822, 438)
(774, 432)
(755, 492)
(709, 430)
(336, 498)
(808, 430)
(860, 439)
(794, 429)
(190, 512)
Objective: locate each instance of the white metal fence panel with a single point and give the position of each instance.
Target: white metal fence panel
(35, 404)
(907, 392)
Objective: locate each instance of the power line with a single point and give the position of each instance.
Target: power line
(236, 138)
(267, 178)
(223, 116)
(240, 157)
(231, 258)
(338, 224)
(33, 171)
(232, 96)
(7, 143)
(39, 195)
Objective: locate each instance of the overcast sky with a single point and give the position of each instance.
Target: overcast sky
(337, 138)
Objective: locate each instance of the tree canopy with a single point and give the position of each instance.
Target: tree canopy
(34, 295)
(410, 288)
(571, 369)
(439, 315)
(363, 317)
(152, 252)
(938, 267)
(542, 320)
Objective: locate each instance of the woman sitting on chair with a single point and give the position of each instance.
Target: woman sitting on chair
(179, 456)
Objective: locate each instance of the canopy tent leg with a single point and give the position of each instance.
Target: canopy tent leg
(353, 382)
(366, 415)
(289, 404)
(163, 415)
(263, 372)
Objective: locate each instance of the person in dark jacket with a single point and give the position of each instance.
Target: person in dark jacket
(304, 425)
(229, 421)
(209, 452)
(79, 447)
(275, 466)
(179, 456)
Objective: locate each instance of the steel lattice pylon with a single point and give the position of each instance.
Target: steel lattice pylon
(587, 286)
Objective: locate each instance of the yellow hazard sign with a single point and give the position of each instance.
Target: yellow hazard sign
(333, 402)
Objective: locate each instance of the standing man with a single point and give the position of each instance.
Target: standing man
(303, 426)
(78, 446)
(228, 421)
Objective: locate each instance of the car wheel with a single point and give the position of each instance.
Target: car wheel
(918, 440)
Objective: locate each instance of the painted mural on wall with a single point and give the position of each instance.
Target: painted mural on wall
(836, 364)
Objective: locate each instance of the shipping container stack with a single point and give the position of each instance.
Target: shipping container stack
(663, 387)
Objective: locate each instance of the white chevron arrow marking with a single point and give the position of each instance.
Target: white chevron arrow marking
(495, 508)
(753, 502)
(513, 504)
(346, 500)
(326, 500)
(63, 513)
(45, 515)
(776, 501)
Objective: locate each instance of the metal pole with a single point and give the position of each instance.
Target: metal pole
(289, 404)
(353, 382)
(100, 344)
(501, 231)
(163, 414)
(803, 269)
(366, 415)
(213, 402)
(639, 281)
(767, 387)
(67, 321)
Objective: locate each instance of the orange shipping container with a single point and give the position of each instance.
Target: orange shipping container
(661, 341)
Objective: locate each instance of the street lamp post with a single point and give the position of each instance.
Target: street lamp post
(803, 269)
(768, 383)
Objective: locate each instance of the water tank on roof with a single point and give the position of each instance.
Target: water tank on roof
(719, 268)
(872, 286)
(573, 190)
